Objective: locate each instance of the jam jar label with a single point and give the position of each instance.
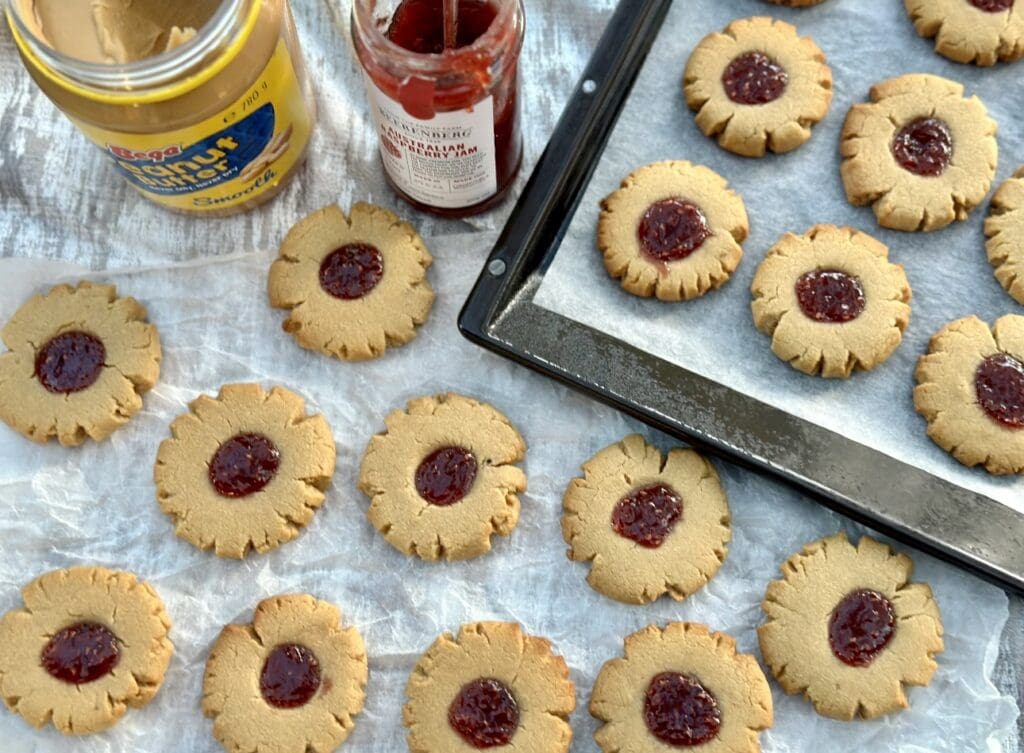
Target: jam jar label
(448, 161)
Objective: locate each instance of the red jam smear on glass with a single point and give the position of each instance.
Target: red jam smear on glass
(923, 147)
(753, 78)
(418, 25)
(992, 6)
(484, 713)
(672, 229)
(70, 362)
(81, 653)
(999, 385)
(244, 465)
(446, 475)
(648, 515)
(831, 296)
(680, 711)
(352, 271)
(862, 624)
(290, 676)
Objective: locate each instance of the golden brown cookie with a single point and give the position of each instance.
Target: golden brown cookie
(89, 643)
(648, 524)
(672, 230)
(971, 31)
(847, 629)
(492, 686)
(970, 388)
(919, 153)
(681, 687)
(79, 361)
(441, 479)
(290, 682)
(1004, 228)
(758, 85)
(353, 286)
(244, 471)
(831, 301)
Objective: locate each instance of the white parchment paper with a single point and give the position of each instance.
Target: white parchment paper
(865, 41)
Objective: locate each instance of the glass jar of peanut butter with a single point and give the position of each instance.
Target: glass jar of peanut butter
(203, 106)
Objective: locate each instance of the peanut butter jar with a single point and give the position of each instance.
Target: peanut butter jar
(203, 106)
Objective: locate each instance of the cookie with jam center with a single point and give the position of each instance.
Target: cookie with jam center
(1004, 228)
(88, 644)
(647, 524)
(848, 629)
(982, 32)
(831, 301)
(79, 360)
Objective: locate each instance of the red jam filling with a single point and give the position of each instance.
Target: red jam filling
(484, 713)
(70, 362)
(290, 676)
(81, 653)
(647, 516)
(243, 465)
(923, 147)
(672, 229)
(446, 475)
(351, 271)
(680, 711)
(860, 627)
(827, 295)
(992, 6)
(754, 79)
(999, 384)
(418, 25)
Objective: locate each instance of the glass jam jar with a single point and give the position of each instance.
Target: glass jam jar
(204, 107)
(447, 115)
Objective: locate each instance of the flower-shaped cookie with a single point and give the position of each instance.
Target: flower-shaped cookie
(847, 629)
(971, 31)
(353, 286)
(672, 230)
(1004, 228)
(492, 686)
(291, 682)
(970, 388)
(831, 301)
(245, 470)
(80, 360)
(758, 85)
(647, 524)
(441, 479)
(920, 153)
(681, 687)
(88, 644)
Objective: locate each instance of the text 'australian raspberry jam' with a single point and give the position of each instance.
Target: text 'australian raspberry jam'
(861, 625)
(648, 515)
(485, 713)
(70, 362)
(244, 465)
(672, 229)
(290, 676)
(681, 712)
(81, 653)
(999, 385)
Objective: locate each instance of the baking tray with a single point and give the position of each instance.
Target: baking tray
(909, 503)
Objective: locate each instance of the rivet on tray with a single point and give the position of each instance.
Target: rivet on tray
(589, 86)
(496, 267)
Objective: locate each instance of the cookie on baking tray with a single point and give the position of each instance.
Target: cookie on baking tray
(681, 686)
(1004, 228)
(920, 153)
(441, 478)
(648, 524)
(244, 471)
(672, 230)
(492, 686)
(831, 301)
(971, 31)
(758, 86)
(78, 363)
(353, 286)
(847, 629)
(970, 388)
(89, 643)
(292, 680)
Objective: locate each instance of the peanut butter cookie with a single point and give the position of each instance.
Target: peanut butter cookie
(831, 301)
(441, 479)
(88, 644)
(79, 361)
(647, 524)
(847, 629)
(244, 471)
(970, 388)
(353, 286)
(1004, 229)
(971, 31)
(291, 682)
(492, 686)
(673, 230)
(681, 687)
(758, 85)
(921, 154)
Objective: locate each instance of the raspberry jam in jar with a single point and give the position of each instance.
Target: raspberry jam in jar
(443, 83)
